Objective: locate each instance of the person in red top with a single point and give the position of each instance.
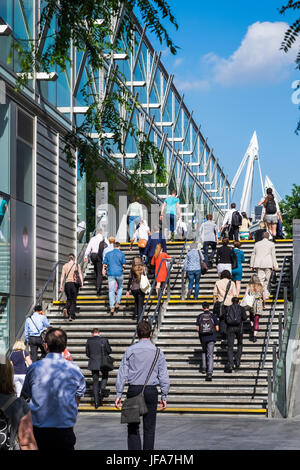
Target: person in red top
(156, 260)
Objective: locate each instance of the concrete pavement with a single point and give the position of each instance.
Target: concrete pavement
(104, 432)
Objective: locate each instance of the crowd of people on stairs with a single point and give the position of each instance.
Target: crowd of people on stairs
(39, 396)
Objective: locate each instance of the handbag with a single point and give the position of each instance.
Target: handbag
(202, 265)
(221, 312)
(135, 407)
(142, 243)
(76, 277)
(248, 300)
(145, 284)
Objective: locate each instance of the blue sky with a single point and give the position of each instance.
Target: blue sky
(236, 81)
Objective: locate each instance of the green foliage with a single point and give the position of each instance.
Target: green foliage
(291, 35)
(290, 209)
(65, 24)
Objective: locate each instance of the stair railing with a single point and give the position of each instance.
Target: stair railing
(164, 260)
(273, 312)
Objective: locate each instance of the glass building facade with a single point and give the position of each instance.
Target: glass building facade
(44, 204)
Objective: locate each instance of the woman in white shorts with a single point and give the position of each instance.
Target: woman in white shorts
(271, 212)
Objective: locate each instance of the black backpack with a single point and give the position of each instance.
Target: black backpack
(234, 315)
(271, 207)
(236, 219)
(206, 324)
(5, 427)
(102, 246)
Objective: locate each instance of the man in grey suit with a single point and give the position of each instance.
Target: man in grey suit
(96, 346)
(263, 259)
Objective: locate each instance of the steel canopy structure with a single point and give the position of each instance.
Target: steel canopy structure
(158, 110)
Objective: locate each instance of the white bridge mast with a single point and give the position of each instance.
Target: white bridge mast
(251, 156)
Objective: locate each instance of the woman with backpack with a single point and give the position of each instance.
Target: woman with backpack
(224, 291)
(271, 212)
(134, 285)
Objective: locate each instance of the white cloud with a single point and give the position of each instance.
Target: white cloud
(199, 85)
(178, 62)
(258, 59)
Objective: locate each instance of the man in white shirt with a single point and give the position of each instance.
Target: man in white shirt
(232, 221)
(93, 251)
(135, 214)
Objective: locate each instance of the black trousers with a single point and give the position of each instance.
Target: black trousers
(71, 292)
(149, 420)
(232, 333)
(54, 438)
(234, 233)
(96, 387)
(35, 343)
(98, 270)
(139, 298)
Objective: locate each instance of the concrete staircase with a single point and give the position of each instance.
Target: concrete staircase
(242, 392)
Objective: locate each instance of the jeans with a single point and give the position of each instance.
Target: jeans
(208, 356)
(213, 246)
(54, 438)
(112, 285)
(132, 221)
(71, 293)
(95, 375)
(149, 420)
(194, 276)
(232, 333)
(171, 222)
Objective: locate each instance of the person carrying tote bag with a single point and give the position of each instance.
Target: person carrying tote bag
(136, 406)
(134, 370)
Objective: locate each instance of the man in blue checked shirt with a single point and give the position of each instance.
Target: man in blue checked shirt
(35, 324)
(114, 262)
(134, 369)
(54, 387)
(192, 267)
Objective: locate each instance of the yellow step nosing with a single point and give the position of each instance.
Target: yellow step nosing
(183, 410)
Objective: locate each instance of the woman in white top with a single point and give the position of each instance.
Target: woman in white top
(141, 235)
(271, 212)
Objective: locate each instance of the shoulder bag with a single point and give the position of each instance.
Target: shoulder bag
(107, 362)
(202, 264)
(135, 407)
(221, 312)
(76, 277)
(142, 243)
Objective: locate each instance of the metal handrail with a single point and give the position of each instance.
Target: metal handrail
(273, 312)
(161, 293)
(164, 260)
